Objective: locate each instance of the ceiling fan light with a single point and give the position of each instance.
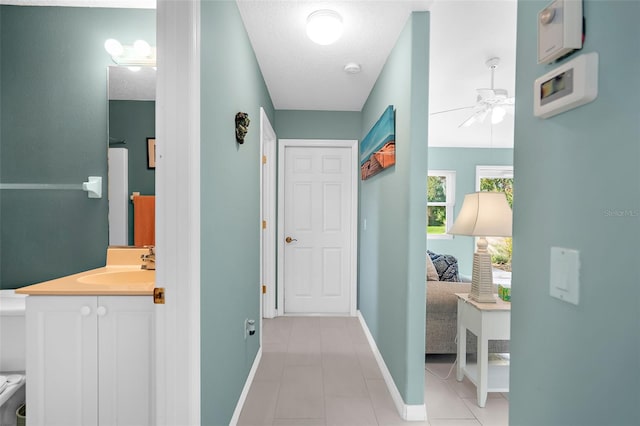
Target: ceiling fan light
(324, 26)
(497, 114)
(483, 115)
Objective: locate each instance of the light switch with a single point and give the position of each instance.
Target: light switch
(564, 282)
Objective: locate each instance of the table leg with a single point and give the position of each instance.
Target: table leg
(483, 369)
(462, 344)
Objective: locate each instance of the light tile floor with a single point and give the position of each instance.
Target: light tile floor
(321, 371)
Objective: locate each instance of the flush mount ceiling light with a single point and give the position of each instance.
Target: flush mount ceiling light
(324, 26)
(138, 55)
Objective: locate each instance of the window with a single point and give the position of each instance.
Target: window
(498, 179)
(441, 187)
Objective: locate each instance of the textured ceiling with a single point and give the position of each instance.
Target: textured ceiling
(301, 75)
(304, 76)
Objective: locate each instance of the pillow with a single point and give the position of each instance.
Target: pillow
(446, 266)
(432, 273)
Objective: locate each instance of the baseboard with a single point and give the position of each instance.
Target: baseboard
(406, 411)
(245, 389)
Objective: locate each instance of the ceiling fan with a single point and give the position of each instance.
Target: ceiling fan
(490, 102)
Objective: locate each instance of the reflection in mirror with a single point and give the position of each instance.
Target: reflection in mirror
(131, 95)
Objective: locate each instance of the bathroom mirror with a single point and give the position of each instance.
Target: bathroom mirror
(131, 123)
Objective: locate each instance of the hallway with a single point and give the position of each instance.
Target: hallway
(321, 371)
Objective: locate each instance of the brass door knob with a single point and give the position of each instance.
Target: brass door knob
(290, 240)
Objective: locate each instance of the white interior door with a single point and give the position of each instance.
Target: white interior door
(318, 232)
(268, 214)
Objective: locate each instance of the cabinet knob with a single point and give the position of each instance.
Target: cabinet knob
(101, 311)
(85, 310)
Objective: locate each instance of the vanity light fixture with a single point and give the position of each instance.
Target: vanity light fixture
(324, 26)
(140, 54)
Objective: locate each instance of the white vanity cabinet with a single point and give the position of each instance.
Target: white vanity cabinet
(90, 360)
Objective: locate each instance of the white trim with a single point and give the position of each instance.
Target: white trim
(268, 213)
(178, 201)
(450, 204)
(245, 389)
(339, 143)
(492, 172)
(407, 412)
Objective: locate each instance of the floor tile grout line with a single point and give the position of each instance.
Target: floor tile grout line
(351, 333)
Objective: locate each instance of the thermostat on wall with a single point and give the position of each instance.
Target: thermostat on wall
(568, 86)
(559, 30)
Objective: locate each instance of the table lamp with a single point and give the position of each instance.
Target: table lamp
(483, 214)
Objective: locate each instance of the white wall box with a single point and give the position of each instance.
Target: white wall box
(559, 30)
(90, 360)
(568, 86)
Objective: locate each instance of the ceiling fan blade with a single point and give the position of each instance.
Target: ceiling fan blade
(451, 110)
(477, 117)
(468, 122)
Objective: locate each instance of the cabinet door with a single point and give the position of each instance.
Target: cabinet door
(126, 369)
(61, 360)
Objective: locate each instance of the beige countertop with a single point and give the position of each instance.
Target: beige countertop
(121, 276)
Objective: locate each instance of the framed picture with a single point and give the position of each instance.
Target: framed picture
(378, 148)
(151, 153)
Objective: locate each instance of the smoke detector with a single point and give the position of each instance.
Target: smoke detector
(352, 68)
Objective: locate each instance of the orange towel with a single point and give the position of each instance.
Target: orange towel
(144, 220)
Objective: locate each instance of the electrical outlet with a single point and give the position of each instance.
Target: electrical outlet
(249, 327)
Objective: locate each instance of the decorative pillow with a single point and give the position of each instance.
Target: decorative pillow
(432, 273)
(446, 266)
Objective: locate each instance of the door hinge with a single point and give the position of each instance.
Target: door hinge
(264, 224)
(264, 289)
(264, 159)
(158, 296)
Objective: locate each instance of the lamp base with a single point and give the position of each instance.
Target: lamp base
(482, 279)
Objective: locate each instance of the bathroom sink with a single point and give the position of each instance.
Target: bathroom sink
(138, 276)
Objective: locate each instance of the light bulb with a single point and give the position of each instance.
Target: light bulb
(134, 69)
(142, 48)
(324, 26)
(113, 47)
(497, 115)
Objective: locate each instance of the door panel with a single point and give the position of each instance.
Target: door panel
(318, 211)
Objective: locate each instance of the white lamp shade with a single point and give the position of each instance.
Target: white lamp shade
(484, 214)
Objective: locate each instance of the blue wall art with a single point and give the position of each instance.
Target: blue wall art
(378, 148)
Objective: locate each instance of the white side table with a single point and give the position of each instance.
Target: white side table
(488, 321)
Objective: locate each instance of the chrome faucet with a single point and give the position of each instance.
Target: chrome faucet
(149, 259)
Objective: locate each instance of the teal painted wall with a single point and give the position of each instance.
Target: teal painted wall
(318, 124)
(577, 177)
(53, 129)
(393, 206)
(230, 281)
(464, 161)
(134, 122)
